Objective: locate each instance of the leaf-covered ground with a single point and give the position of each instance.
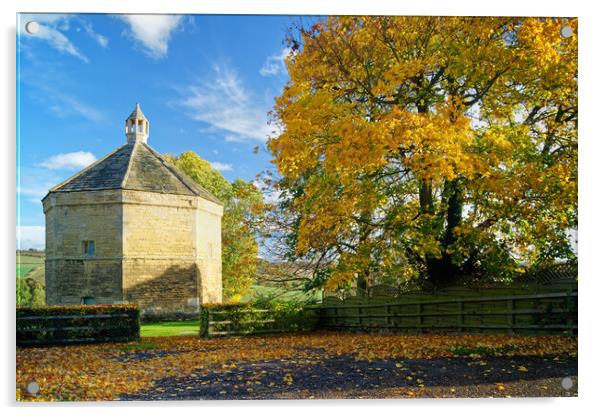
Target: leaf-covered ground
(315, 365)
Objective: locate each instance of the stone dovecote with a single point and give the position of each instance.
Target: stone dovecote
(133, 228)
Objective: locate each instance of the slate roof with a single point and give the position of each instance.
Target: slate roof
(134, 166)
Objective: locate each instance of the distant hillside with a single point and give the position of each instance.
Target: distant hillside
(30, 278)
(282, 274)
(31, 252)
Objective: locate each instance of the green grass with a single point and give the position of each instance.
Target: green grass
(33, 259)
(30, 264)
(24, 269)
(280, 294)
(191, 327)
(170, 328)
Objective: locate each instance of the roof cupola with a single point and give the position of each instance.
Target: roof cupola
(136, 126)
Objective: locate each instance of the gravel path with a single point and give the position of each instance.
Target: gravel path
(320, 377)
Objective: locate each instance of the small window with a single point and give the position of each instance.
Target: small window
(88, 300)
(88, 248)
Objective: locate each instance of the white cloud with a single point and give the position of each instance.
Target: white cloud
(275, 64)
(31, 237)
(49, 91)
(74, 160)
(152, 31)
(270, 195)
(52, 29)
(219, 166)
(59, 41)
(234, 139)
(33, 182)
(225, 104)
(100, 39)
(64, 105)
(36, 192)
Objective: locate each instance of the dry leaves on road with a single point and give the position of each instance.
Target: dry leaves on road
(107, 371)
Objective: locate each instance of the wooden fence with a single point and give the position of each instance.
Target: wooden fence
(545, 304)
(540, 313)
(557, 278)
(244, 320)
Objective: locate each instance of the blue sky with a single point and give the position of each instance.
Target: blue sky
(205, 82)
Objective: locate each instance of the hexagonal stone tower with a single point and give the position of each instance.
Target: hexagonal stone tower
(132, 228)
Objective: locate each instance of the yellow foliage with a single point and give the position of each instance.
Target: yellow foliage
(378, 107)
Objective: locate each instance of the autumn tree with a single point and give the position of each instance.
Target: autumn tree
(429, 146)
(241, 223)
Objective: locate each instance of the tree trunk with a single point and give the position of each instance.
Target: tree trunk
(362, 283)
(425, 194)
(363, 277)
(442, 271)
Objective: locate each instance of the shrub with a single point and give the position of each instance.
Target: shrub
(77, 324)
(250, 318)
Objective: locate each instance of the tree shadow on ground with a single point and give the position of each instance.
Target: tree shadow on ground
(267, 379)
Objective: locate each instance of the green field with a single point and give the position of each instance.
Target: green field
(171, 328)
(280, 294)
(31, 266)
(191, 327)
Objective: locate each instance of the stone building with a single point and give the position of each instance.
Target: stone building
(132, 228)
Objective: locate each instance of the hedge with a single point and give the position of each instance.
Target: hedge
(246, 318)
(53, 325)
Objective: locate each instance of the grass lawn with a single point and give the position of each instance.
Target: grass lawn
(191, 327)
(280, 294)
(27, 264)
(170, 328)
(24, 269)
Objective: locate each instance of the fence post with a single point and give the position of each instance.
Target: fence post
(204, 323)
(460, 315)
(388, 318)
(569, 316)
(510, 316)
(335, 319)
(419, 319)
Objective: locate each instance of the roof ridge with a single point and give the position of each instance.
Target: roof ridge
(183, 178)
(84, 170)
(129, 166)
(134, 166)
(164, 163)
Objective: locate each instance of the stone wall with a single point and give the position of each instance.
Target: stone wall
(209, 251)
(160, 251)
(167, 242)
(70, 280)
(158, 225)
(70, 219)
(161, 285)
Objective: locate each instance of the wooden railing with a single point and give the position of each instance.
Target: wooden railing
(234, 321)
(546, 313)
